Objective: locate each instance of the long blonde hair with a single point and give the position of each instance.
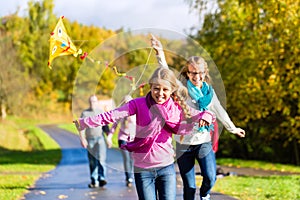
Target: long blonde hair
(179, 92)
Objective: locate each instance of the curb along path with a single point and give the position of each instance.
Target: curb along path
(70, 178)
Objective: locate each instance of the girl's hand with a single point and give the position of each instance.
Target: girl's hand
(240, 132)
(202, 122)
(84, 142)
(77, 124)
(109, 140)
(156, 44)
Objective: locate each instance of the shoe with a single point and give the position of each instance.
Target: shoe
(129, 182)
(93, 185)
(102, 183)
(207, 197)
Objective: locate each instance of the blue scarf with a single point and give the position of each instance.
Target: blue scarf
(202, 96)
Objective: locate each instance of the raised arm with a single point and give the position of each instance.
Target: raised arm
(160, 55)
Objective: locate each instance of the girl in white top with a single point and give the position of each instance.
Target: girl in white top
(197, 145)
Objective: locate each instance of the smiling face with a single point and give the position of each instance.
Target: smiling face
(160, 93)
(196, 71)
(162, 84)
(196, 74)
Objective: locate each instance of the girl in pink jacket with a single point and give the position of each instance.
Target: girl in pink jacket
(158, 115)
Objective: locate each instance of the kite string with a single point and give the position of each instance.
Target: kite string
(151, 49)
(136, 82)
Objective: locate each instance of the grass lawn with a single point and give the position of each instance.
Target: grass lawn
(256, 188)
(25, 153)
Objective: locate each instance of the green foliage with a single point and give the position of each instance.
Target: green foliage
(255, 45)
(230, 162)
(12, 79)
(26, 49)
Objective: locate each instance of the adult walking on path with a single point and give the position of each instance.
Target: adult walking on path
(68, 179)
(93, 140)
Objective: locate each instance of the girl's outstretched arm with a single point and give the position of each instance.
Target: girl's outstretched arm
(199, 119)
(102, 119)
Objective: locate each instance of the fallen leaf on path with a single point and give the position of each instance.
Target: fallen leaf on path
(62, 196)
(42, 192)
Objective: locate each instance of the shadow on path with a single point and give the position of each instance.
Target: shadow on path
(70, 178)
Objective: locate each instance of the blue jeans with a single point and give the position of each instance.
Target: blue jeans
(187, 154)
(127, 161)
(156, 181)
(97, 158)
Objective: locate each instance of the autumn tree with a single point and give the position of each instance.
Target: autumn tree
(256, 45)
(30, 38)
(12, 79)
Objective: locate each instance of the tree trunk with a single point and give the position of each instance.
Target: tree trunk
(3, 111)
(296, 150)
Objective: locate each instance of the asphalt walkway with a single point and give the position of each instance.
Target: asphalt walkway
(70, 178)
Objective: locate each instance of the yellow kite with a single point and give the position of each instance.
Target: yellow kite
(60, 43)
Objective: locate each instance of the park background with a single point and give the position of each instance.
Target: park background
(254, 44)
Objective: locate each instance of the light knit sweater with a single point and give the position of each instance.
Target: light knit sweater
(197, 137)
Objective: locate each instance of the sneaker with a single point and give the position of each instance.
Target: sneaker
(207, 197)
(102, 183)
(93, 185)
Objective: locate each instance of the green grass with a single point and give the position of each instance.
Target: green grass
(12, 186)
(260, 188)
(69, 127)
(25, 153)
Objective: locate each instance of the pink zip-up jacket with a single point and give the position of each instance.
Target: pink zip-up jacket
(153, 131)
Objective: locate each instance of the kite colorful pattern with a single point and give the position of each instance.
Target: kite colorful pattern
(60, 43)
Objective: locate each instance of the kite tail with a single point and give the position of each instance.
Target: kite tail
(79, 52)
(85, 54)
(50, 67)
(141, 88)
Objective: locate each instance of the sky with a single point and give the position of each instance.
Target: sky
(173, 15)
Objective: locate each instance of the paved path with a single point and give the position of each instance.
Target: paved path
(70, 178)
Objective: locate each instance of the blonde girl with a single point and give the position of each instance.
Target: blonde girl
(161, 113)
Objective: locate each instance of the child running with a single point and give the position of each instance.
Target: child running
(159, 114)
